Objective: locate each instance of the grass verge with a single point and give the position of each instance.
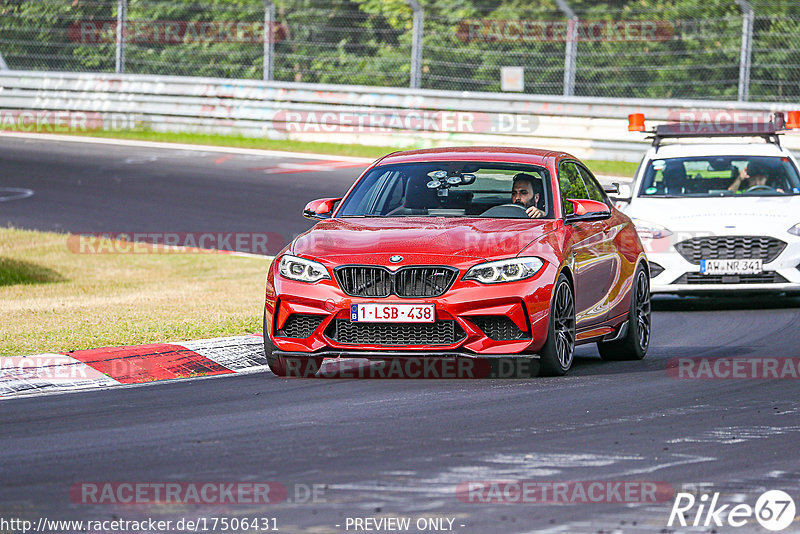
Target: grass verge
(603, 167)
(240, 141)
(55, 300)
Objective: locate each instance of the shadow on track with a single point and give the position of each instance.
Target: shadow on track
(587, 363)
(590, 364)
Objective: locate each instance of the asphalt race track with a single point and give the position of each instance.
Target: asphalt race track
(81, 187)
(384, 448)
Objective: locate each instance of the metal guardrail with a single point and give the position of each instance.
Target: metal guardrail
(587, 127)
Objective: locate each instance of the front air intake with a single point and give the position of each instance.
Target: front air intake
(395, 334)
(406, 282)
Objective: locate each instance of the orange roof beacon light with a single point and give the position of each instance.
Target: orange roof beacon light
(636, 122)
(794, 120)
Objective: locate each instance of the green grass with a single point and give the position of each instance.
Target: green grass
(240, 141)
(602, 167)
(54, 299)
(623, 169)
(13, 272)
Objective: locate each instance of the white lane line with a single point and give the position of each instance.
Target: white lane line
(183, 146)
(569, 460)
(737, 434)
(14, 193)
(685, 459)
(140, 159)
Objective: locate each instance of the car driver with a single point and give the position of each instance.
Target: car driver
(753, 175)
(526, 191)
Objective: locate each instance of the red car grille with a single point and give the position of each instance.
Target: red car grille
(409, 282)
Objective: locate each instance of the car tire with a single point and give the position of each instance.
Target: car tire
(288, 366)
(634, 345)
(556, 356)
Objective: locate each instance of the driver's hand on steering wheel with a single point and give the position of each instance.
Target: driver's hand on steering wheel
(534, 212)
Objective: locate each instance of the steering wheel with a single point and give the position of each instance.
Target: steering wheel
(760, 188)
(523, 208)
(512, 211)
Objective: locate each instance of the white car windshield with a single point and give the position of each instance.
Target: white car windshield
(715, 176)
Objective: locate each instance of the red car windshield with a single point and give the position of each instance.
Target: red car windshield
(450, 189)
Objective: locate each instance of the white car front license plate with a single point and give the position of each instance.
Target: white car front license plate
(393, 313)
(731, 266)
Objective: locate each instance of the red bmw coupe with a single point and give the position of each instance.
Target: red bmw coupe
(473, 252)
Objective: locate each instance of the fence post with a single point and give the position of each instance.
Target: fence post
(416, 44)
(746, 50)
(3, 64)
(571, 52)
(122, 8)
(269, 39)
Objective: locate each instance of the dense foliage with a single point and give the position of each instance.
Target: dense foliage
(625, 48)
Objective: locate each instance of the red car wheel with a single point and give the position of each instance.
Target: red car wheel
(636, 341)
(559, 349)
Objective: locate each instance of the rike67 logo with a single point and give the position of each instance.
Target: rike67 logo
(774, 510)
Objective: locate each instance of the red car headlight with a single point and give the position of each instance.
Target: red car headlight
(495, 272)
(302, 270)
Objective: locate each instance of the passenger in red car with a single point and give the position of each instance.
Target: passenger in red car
(527, 192)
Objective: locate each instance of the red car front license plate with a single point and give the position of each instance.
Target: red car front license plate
(393, 313)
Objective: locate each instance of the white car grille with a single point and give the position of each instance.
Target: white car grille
(730, 248)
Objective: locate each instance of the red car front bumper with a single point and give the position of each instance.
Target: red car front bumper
(471, 318)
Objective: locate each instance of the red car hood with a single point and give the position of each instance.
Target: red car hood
(344, 239)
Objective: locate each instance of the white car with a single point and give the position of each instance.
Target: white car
(722, 217)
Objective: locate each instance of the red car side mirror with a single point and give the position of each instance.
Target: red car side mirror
(320, 209)
(588, 210)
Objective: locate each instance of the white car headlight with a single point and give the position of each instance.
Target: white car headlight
(302, 270)
(795, 229)
(495, 272)
(650, 230)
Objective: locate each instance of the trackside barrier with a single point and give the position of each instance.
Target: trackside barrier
(587, 127)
